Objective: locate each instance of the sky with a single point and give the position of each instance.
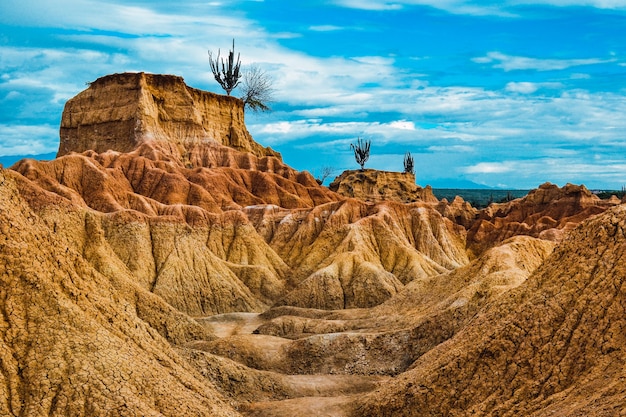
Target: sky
(507, 94)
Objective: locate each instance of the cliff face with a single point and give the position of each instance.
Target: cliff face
(120, 112)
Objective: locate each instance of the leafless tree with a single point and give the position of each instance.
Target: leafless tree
(324, 173)
(228, 75)
(256, 88)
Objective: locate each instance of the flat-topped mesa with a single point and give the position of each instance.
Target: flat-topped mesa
(120, 112)
(374, 185)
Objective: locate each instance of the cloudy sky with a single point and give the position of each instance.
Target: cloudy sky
(508, 93)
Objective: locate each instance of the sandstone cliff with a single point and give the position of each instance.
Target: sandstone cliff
(121, 111)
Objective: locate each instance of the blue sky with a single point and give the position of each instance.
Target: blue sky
(508, 93)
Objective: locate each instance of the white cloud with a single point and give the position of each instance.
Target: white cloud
(490, 168)
(452, 148)
(478, 7)
(522, 87)
(28, 140)
(283, 131)
(600, 4)
(370, 4)
(325, 28)
(402, 125)
(581, 76)
(452, 6)
(530, 173)
(374, 60)
(109, 15)
(513, 63)
(525, 87)
(281, 128)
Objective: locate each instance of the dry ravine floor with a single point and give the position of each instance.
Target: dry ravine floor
(313, 394)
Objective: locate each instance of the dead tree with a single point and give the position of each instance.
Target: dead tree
(256, 89)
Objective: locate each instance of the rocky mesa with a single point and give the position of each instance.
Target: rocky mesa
(121, 111)
(167, 264)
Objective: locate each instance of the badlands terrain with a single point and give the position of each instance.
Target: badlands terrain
(166, 264)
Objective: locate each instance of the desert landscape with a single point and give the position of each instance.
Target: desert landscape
(167, 264)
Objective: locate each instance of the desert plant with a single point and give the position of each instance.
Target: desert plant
(509, 197)
(256, 89)
(228, 75)
(324, 173)
(409, 164)
(361, 151)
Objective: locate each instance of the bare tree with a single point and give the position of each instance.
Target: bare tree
(409, 165)
(324, 173)
(256, 88)
(228, 75)
(361, 151)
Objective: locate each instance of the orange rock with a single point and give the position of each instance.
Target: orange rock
(374, 185)
(546, 211)
(121, 111)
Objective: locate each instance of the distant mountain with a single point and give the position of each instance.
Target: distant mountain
(454, 183)
(9, 160)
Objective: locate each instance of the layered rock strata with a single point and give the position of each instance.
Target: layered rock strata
(121, 111)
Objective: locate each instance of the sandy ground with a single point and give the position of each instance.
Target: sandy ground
(324, 394)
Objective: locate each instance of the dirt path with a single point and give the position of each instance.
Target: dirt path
(231, 324)
(300, 407)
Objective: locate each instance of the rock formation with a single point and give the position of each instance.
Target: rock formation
(76, 342)
(121, 111)
(374, 185)
(554, 346)
(166, 264)
(547, 212)
(459, 211)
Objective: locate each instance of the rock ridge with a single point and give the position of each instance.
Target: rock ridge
(548, 212)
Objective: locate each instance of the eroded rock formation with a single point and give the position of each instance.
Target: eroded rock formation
(76, 342)
(121, 111)
(374, 185)
(166, 264)
(547, 212)
(553, 346)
